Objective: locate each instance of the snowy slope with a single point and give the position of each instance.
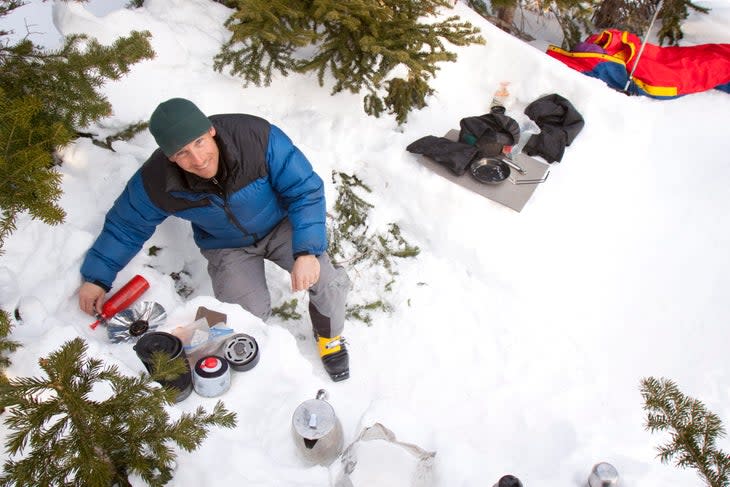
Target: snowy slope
(518, 339)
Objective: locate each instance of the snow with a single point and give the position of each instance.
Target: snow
(518, 340)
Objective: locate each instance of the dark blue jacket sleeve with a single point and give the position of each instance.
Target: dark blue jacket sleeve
(302, 192)
(128, 224)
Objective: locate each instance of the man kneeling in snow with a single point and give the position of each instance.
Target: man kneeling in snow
(250, 195)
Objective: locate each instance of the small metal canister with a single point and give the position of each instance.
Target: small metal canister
(241, 351)
(603, 475)
(211, 376)
(317, 431)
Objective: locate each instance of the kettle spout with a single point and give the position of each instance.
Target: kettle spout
(310, 443)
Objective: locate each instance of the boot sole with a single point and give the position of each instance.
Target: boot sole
(340, 377)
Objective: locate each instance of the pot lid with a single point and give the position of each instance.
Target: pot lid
(157, 341)
(314, 419)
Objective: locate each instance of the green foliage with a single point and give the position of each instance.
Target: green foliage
(580, 17)
(635, 16)
(28, 181)
(44, 96)
(287, 311)
(67, 438)
(363, 312)
(366, 253)
(153, 250)
(67, 79)
(692, 428)
(6, 345)
(124, 134)
(574, 18)
(673, 13)
(359, 42)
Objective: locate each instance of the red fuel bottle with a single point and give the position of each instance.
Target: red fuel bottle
(121, 299)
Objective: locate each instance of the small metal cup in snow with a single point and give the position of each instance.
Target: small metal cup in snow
(603, 475)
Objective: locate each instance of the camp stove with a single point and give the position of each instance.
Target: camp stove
(132, 323)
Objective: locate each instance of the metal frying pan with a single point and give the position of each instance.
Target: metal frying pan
(489, 170)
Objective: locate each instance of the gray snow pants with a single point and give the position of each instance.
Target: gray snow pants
(238, 277)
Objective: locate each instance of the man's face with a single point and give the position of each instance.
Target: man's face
(200, 156)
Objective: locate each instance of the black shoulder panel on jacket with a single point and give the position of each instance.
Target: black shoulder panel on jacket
(161, 177)
(243, 141)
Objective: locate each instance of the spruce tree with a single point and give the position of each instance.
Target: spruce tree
(360, 43)
(45, 97)
(64, 437)
(693, 431)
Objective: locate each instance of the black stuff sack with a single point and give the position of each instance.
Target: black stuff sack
(489, 132)
(456, 156)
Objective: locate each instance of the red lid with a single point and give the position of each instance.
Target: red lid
(210, 363)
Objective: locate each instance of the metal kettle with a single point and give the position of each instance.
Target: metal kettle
(316, 430)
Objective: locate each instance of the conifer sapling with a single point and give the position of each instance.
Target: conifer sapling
(62, 433)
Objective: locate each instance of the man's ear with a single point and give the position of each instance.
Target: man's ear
(211, 131)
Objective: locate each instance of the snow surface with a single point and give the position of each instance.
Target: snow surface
(518, 340)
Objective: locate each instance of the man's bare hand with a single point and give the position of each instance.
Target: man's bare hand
(91, 297)
(305, 272)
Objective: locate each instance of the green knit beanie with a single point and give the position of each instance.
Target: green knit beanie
(177, 122)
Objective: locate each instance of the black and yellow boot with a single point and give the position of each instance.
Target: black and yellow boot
(334, 357)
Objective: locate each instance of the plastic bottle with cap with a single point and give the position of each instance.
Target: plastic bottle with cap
(501, 100)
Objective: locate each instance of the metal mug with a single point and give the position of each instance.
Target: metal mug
(317, 431)
(603, 475)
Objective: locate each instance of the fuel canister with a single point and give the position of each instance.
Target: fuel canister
(211, 376)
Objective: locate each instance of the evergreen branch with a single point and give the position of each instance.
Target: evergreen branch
(351, 242)
(287, 311)
(693, 430)
(6, 345)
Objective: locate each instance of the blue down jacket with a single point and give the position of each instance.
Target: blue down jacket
(263, 179)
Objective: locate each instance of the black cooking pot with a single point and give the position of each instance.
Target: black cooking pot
(489, 170)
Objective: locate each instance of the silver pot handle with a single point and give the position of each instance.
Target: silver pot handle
(508, 160)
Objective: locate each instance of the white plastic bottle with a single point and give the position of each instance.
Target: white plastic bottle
(501, 98)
